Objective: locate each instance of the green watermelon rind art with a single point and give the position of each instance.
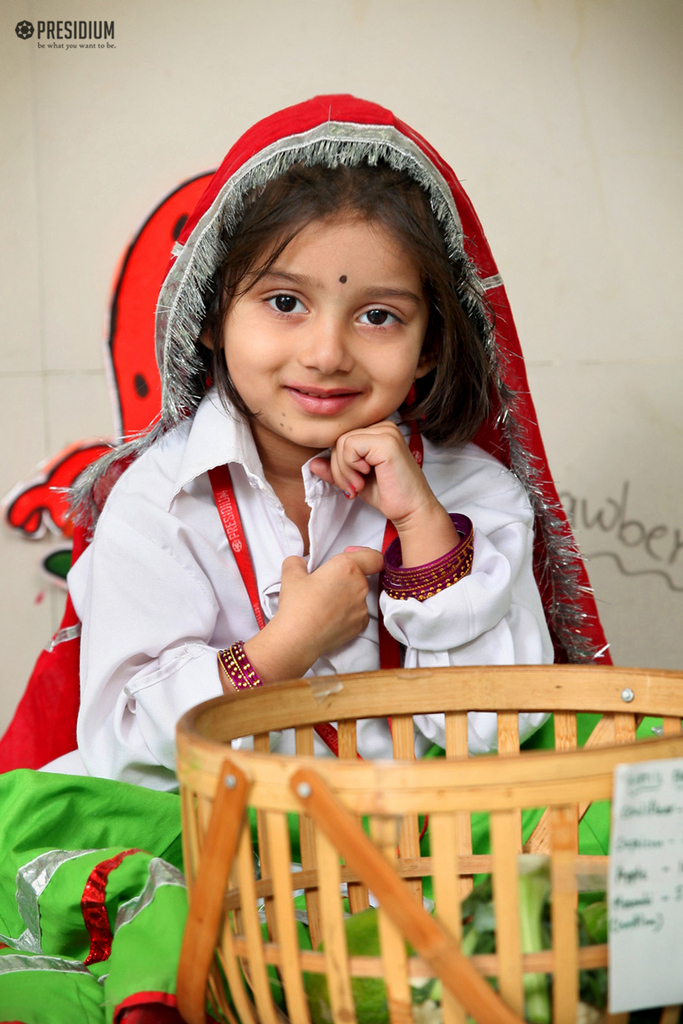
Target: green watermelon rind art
(56, 563)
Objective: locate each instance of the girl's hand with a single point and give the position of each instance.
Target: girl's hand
(376, 464)
(317, 613)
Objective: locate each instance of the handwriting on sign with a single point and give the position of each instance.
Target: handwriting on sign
(637, 548)
(646, 885)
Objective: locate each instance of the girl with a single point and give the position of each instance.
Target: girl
(327, 355)
(319, 309)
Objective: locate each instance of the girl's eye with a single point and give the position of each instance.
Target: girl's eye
(284, 303)
(378, 318)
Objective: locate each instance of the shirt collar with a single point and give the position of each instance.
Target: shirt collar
(218, 434)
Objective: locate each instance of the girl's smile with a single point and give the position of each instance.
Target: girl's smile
(329, 339)
(321, 402)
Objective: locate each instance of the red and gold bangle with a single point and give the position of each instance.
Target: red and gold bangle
(423, 581)
(238, 668)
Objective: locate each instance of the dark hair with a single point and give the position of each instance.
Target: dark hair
(453, 399)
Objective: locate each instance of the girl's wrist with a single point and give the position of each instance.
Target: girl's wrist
(237, 671)
(426, 535)
(423, 581)
(268, 657)
(277, 653)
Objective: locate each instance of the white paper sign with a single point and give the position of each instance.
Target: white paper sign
(645, 892)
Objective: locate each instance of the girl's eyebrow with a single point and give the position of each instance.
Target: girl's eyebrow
(282, 275)
(372, 290)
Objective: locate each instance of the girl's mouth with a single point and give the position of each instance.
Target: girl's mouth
(321, 401)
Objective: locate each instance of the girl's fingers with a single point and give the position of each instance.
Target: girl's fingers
(358, 456)
(321, 467)
(328, 470)
(368, 560)
(293, 568)
(362, 451)
(346, 477)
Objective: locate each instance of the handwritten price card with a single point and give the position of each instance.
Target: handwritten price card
(645, 896)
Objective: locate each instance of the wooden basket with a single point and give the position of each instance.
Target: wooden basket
(224, 945)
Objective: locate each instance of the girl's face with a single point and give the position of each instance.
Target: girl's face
(330, 339)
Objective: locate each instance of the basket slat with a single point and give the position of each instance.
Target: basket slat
(457, 746)
(486, 964)
(285, 920)
(508, 732)
(392, 942)
(624, 728)
(348, 745)
(403, 737)
(262, 746)
(456, 734)
(504, 847)
(670, 1015)
(334, 934)
(565, 730)
(204, 809)
(255, 970)
(191, 836)
(230, 964)
(304, 748)
(443, 830)
(508, 743)
(348, 750)
(563, 911)
(201, 931)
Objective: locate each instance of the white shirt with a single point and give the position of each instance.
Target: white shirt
(159, 593)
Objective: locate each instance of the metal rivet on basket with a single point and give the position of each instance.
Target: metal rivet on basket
(303, 790)
(627, 695)
(230, 781)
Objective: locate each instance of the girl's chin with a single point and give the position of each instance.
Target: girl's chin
(318, 441)
(312, 440)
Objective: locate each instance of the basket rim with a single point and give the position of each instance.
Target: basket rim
(475, 783)
(594, 689)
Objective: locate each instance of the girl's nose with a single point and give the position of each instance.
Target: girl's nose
(325, 347)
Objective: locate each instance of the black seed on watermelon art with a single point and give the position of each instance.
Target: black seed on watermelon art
(141, 386)
(178, 226)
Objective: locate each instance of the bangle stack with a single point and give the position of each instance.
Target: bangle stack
(423, 581)
(238, 668)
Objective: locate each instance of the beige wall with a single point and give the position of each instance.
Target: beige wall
(563, 118)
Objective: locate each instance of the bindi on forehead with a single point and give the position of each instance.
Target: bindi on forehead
(343, 279)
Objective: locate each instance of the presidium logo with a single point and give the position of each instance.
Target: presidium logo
(69, 35)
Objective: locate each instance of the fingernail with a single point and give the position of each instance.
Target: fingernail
(349, 494)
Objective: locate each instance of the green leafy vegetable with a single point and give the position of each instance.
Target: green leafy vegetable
(534, 890)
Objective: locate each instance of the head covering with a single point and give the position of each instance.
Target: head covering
(340, 129)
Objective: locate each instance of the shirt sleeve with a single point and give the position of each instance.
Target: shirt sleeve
(148, 613)
(493, 616)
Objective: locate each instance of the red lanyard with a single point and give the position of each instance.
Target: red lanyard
(224, 495)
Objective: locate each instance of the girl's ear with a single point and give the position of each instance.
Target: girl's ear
(426, 362)
(206, 338)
